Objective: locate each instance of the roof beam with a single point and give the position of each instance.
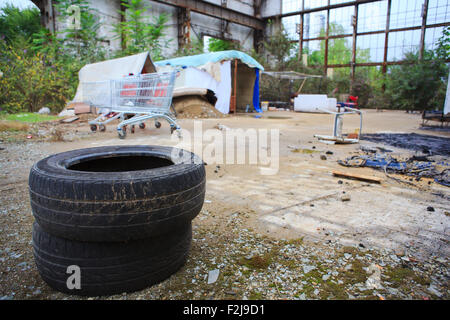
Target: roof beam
(333, 6)
(216, 11)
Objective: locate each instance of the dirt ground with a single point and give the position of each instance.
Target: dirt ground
(289, 235)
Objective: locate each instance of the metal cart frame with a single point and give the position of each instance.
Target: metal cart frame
(143, 97)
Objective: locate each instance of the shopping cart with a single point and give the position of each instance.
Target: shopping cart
(133, 100)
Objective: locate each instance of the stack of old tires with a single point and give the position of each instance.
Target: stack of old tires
(121, 215)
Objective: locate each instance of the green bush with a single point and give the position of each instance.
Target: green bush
(31, 80)
(417, 84)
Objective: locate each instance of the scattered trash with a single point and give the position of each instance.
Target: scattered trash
(29, 136)
(432, 289)
(44, 110)
(357, 177)
(374, 281)
(345, 198)
(431, 145)
(431, 209)
(338, 136)
(213, 275)
(414, 166)
(307, 268)
(70, 120)
(300, 150)
(67, 113)
(374, 149)
(322, 157)
(221, 127)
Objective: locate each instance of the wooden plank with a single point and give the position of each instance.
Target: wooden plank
(69, 120)
(357, 176)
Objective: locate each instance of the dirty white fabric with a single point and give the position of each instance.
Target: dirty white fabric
(111, 69)
(213, 68)
(183, 91)
(194, 78)
(223, 92)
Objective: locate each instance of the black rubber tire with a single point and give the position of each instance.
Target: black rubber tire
(108, 268)
(157, 124)
(102, 128)
(93, 127)
(142, 125)
(116, 206)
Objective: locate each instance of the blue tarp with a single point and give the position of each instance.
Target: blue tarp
(201, 59)
(256, 93)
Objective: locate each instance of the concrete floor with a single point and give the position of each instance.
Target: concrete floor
(303, 199)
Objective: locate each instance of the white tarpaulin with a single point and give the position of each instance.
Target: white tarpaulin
(213, 72)
(314, 103)
(113, 69)
(191, 77)
(223, 92)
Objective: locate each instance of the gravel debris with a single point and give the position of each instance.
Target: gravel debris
(244, 263)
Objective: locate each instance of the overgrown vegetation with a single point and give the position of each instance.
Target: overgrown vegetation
(414, 85)
(40, 68)
(215, 45)
(137, 33)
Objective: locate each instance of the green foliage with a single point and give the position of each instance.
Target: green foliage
(138, 34)
(215, 45)
(279, 49)
(16, 23)
(195, 47)
(82, 43)
(443, 45)
(31, 80)
(417, 84)
(30, 117)
(42, 70)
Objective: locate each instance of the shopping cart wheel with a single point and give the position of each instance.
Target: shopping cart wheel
(132, 129)
(172, 129)
(157, 124)
(102, 128)
(93, 127)
(122, 132)
(142, 125)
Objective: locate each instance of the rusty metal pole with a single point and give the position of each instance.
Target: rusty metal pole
(423, 29)
(300, 36)
(355, 31)
(327, 31)
(300, 39)
(386, 39)
(235, 87)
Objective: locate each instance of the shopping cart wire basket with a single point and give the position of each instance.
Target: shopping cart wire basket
(133, 100)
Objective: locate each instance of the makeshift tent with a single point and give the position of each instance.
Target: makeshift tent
(113, 69)
(232, 75)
